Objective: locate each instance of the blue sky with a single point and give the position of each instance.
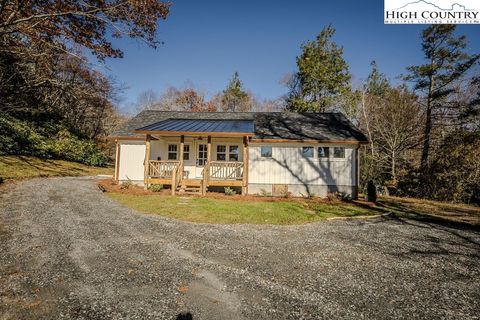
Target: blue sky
(206, 41)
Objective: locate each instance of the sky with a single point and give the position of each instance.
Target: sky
(205, 42)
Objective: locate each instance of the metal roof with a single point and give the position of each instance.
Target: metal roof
(202, 125)
(267, 125)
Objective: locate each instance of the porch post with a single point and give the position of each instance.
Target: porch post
(245, 167)
(146, 162)
(206, 168)
(182, 145)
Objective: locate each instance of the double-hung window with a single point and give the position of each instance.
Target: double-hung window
(339, 152)
(172, 151)
(233, 153)
(307, 152)
(266, 151)
(323, 152)
(186, 152)
(221, 153)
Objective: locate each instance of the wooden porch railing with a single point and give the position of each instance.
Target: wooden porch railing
(225, 170)
(162, 169)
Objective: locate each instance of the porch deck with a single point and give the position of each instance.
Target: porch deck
(214, 173)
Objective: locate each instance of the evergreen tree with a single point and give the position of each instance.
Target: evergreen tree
(323, 79)
(446, 64)
(234, 97)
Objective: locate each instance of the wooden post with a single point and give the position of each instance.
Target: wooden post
(174, 180)
(182, 146)
(245, 167)
(146, 162)
(206, 168)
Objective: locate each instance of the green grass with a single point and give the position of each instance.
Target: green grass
(212, 210)
(20, 167)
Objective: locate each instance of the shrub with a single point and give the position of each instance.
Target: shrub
(371, 192)
(229, 191)
(126, 184)
(156, 187)
(49, 141)
(265, 193)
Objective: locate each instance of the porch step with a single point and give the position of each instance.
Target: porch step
(192, 189)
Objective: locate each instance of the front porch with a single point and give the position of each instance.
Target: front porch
(195, 163)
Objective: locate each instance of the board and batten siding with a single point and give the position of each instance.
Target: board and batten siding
(288, 166)
(132, 156)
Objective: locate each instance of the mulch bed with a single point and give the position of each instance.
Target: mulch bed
(109, 185)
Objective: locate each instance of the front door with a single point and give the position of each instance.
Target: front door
(201, 159)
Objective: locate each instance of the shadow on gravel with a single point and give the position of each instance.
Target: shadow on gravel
(184, 316)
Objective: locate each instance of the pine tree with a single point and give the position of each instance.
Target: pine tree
(323, 78)
(234, 97)
(446, 64)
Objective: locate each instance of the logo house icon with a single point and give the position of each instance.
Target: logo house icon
(432, 12)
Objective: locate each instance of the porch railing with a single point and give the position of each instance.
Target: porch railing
(225, 170)
(162, 169)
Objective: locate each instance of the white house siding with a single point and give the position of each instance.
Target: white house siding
(132, 155)
(301, 175)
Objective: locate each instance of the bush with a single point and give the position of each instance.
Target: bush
(126, 184)
(264, 193)
(156, 187)
(49, 141)
(229, 191)
(371, 192)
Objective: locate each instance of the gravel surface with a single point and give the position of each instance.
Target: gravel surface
(67, 251)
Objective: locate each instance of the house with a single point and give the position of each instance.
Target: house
(255, 152)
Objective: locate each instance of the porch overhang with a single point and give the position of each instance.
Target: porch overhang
(200, 127)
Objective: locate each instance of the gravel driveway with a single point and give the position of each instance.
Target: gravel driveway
(69, 252)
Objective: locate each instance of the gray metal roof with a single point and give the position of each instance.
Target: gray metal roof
(202, 125)
(267, 125)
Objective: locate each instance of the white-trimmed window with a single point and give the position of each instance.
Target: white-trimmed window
(232, 153)
(186, 152)
(307, 152)
(172, 151)
(339, 152)
(266, 151)
(221, 153)
(323, 152)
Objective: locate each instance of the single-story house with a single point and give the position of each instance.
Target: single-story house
(256, 152)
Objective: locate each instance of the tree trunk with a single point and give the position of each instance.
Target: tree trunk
(428, 126)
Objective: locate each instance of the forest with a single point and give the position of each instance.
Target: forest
(423, 128)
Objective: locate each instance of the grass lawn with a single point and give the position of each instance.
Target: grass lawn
(434, 211)
(20, 167)
(226, 211)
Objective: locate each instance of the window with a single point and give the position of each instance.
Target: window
(266, 152)
(307, 152)
(233, 153)
(339, 152)
(186, 152)
(221, 153)
(202, 154)
(172, 152)
(323, 152)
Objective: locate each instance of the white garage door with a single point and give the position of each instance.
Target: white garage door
(132, 155)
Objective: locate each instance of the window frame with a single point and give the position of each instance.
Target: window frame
(343, 153)
(224, 153)
(186, 152)
(175, 152)
(230, 152)
(302, 152)
(326, 154)
(270, 154)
